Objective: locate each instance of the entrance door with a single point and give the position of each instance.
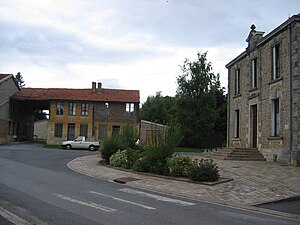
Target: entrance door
(253, 120)
(71, 131)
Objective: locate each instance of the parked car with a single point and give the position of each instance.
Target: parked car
(81, 143)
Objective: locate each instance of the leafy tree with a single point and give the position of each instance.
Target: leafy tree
(196, 97)
(20, 80)
(159, 109)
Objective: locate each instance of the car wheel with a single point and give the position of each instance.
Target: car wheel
(92, 148)
(69, 147)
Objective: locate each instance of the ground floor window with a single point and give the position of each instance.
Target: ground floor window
(237, 124)
(275, 120)
(58, 130)
(116, 130)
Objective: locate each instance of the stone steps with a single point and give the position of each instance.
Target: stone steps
(242, 154)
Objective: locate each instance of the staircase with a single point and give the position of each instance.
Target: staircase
(242, 154)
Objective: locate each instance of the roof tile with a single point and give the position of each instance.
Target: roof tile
(103, 95)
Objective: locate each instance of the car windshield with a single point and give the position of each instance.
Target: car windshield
(78, 139)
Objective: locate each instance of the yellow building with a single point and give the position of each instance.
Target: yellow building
(94, 113)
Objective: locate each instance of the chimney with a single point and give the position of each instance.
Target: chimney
(94, 86)
(99, 85)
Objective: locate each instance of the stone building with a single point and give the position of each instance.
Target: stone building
(264, 94)
(94, 113)
(8, 87)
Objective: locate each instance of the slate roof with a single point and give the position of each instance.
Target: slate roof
(102, 95)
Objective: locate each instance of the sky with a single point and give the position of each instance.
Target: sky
(127, 44)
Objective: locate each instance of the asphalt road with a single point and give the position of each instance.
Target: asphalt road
(37, 186)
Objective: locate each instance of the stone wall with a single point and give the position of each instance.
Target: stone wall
(273, 148)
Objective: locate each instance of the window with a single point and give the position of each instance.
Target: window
(129, 107)
(83, 130)
(104, 109)
(275, 118)
(253, 73)
(58, 130)
(115, 130)
(59, 108)
(72, 109)
(237, 82)
(102, 132)
(237, 124)
(275, 62)
(85, 109)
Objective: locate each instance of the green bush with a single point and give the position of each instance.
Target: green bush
(204, 170)
(110, 146)
(180, 165)
(154, 160)
(119, 159)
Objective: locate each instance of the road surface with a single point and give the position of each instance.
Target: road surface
(37, 186)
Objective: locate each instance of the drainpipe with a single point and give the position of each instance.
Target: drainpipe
(291, 94)
(228, 108)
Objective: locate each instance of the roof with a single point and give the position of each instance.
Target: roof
(102, 95)
(3, 76)
(295, 18)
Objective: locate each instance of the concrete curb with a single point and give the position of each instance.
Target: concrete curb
(13, 218)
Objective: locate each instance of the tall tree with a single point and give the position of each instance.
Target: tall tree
(160, 109)
(20, 80)
(196, 95)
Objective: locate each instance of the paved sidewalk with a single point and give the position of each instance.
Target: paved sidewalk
(253, 182)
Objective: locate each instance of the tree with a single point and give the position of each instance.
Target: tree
(196, 97)
(159, 109)
(20, 80)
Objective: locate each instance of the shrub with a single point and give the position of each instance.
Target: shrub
(204, 170)
(110, 146)
(180, 165)
(154, 160)
(119, 159)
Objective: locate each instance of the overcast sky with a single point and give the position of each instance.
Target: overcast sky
(127, 44)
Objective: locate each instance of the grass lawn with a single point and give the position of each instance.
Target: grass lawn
(183, 149)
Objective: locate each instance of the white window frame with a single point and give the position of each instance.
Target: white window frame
(84, 109)
(72, 108)
(129, 107)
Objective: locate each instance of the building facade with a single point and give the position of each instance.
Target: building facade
(264, 94)
(8, 127)
(94, 113)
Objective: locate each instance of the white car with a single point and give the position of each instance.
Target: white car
(80, 143)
